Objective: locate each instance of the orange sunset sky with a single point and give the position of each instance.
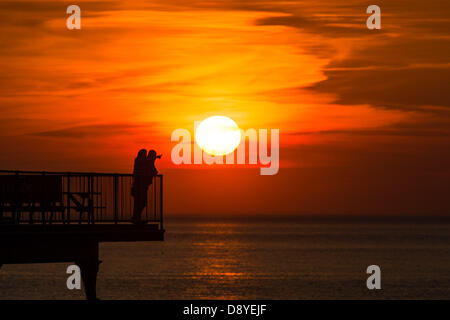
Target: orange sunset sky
(363, 114)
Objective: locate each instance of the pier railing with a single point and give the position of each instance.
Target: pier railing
(74, 197)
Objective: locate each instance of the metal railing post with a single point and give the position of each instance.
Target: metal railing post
(91, 218)
(154, 197)
(44, 198)
(161, 203)
(115, 200)
(68, 198)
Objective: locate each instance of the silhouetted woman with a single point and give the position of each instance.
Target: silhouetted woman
(151, 158)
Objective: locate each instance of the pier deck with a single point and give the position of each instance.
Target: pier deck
(62, 217)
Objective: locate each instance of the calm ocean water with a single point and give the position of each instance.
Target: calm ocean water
(259, 259)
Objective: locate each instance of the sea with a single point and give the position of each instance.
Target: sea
(260, 258)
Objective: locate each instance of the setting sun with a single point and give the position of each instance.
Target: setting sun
(218, 135)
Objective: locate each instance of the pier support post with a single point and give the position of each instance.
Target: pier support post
(89, 265)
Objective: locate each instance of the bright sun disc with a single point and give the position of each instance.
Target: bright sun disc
(218, 135)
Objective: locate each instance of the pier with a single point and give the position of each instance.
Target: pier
(63, 216)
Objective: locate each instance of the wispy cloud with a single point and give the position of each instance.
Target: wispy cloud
(99, 130)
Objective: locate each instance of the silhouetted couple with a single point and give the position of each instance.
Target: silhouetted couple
(143, 173)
